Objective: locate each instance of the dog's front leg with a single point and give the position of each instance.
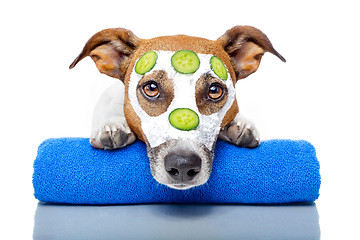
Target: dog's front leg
(110, 129)
(240, 132)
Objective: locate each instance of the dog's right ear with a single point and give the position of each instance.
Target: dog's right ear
(111, 51)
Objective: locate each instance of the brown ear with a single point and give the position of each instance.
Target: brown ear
(245, 46)
(111, 51)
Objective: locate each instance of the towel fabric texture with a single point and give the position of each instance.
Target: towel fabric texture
(71, 171)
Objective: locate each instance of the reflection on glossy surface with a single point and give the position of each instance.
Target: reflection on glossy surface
(176, 222)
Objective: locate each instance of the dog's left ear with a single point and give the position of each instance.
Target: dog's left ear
(111, 51)
(246, 45)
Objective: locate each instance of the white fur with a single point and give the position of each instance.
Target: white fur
(109, 118)
(110, 105)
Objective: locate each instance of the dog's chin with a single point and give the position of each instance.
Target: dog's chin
(183, 185)
(180, 186)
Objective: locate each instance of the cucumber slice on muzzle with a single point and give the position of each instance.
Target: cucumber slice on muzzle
(184, 119)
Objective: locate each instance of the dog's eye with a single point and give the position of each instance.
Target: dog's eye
(215, 92)
(151, 89)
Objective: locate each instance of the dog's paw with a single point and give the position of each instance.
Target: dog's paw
(242, 133)
(112, 135)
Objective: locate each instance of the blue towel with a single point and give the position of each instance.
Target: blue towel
(70, 170)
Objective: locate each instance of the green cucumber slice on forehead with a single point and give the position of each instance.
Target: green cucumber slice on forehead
(218, 68)
(184, 119)
(146, 62)
(185, 61)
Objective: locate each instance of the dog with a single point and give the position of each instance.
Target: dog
(177, 94)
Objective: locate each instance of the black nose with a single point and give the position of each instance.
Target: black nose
(182, 166)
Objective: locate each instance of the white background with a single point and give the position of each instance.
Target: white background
(314, 96)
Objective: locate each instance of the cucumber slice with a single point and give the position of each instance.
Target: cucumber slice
(218, 67)
(146, 62)
(185, 61)
(184, 119)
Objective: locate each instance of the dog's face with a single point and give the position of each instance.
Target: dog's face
(180, 158)
(183, 94)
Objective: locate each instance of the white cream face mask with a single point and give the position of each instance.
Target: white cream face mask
(159, 129)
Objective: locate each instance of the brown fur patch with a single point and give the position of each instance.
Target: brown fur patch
(205, 105)
(158, 105)
(133, 121)
(230, 115)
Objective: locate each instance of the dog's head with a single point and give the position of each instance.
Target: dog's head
(180, 91)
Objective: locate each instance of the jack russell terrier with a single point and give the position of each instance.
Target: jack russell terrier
(177, 94)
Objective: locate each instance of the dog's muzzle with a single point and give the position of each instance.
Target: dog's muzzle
(180, 164)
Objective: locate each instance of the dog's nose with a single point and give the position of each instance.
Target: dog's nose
(182, 167)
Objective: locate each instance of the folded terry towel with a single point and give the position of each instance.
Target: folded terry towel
(70, 170)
